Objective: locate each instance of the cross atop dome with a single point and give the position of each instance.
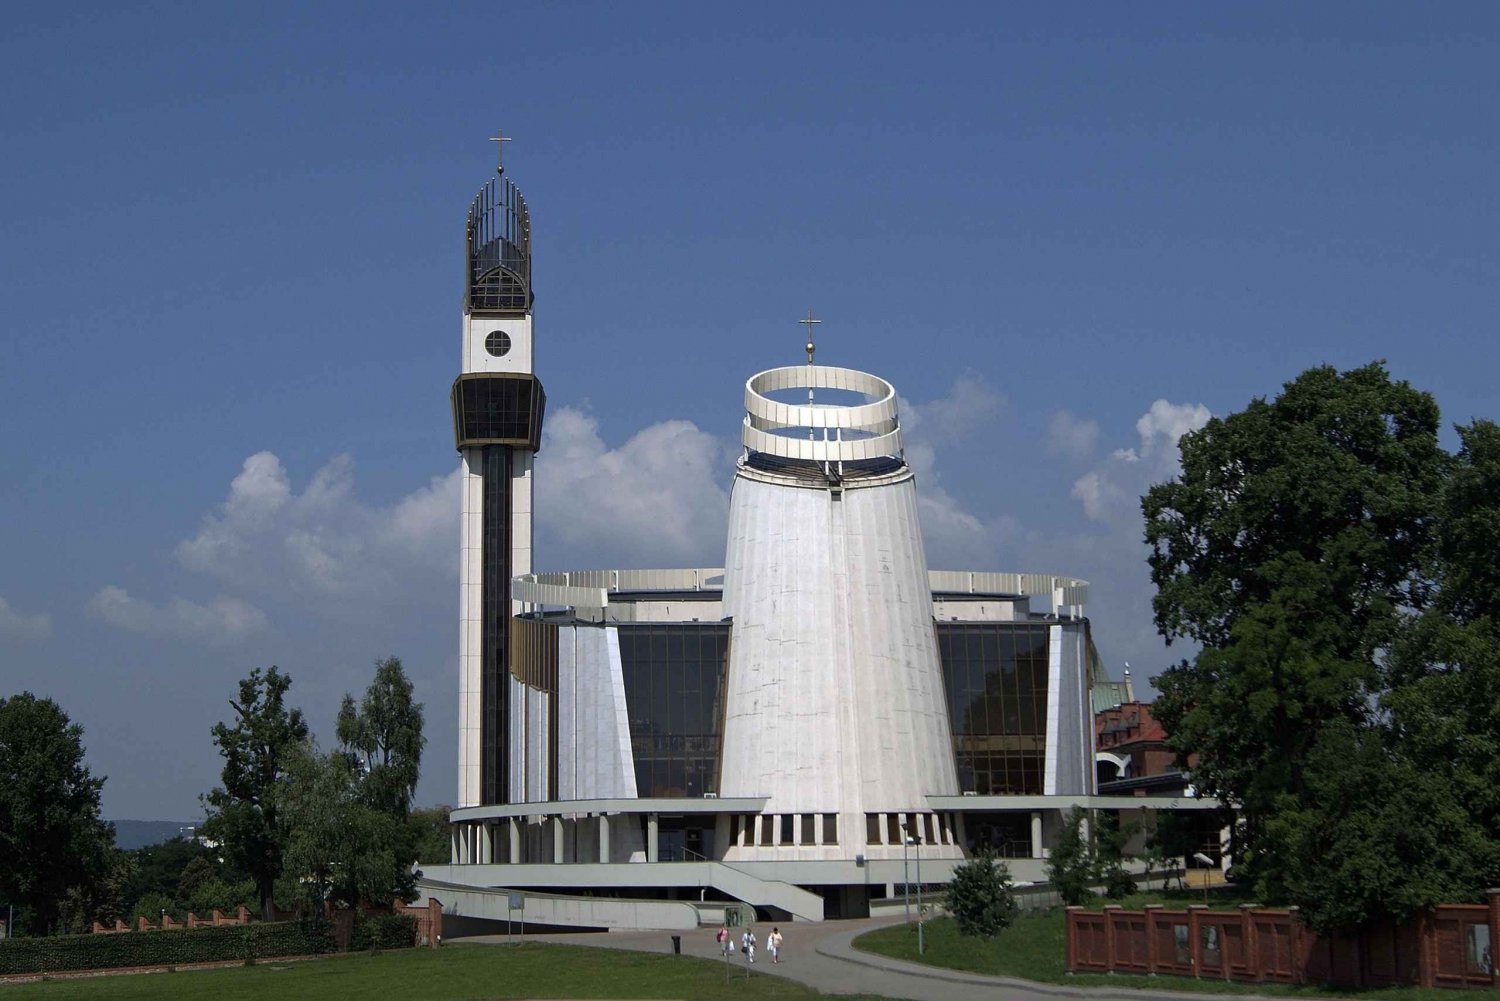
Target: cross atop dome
(809, 321)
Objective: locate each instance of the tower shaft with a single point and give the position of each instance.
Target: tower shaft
(498, 405)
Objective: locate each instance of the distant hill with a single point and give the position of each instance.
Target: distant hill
(139, 833)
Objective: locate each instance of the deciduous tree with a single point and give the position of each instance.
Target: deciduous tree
(1297, 535)
(244, 814)
(384, 735)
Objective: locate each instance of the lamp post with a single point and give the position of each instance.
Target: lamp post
(921, 939)
(905, 873)
(1207, 863)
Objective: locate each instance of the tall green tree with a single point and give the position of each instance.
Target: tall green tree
(1297, 535)
(53, 845)
(1070, 866)
(244, 813)
(383, 733)
(347, 851)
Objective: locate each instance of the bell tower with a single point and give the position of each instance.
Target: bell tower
(497, 427)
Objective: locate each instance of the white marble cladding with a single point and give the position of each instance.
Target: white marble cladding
(470, 635)
(593, 727)
(517, 329)
(1070, 725)
(835, 696)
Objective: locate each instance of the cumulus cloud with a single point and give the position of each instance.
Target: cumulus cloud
(23, 625)
(659, 499)
(951, 532)
(323, 541)
(223, 620)
(1112, 490)
(1071, 436)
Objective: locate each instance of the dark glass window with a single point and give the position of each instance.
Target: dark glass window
(809, 832)
(498, 408)
(872, 828)
(497, 343)
(1007, 835)
(674, 692)
(893, 829)
(765, 830)
(995, 678)
(830, 828)
(494, 673)
(786, 830)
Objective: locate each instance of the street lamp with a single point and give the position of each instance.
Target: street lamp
(916, 843)
(1207, 864)
(905, 873)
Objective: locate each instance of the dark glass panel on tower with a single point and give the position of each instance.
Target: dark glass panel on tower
(494, 676)
(995, 679)
(496, 408)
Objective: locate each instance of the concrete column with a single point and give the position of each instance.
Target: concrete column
(486, 850)
(960, 832)
(603, 837)
(651, 846)
(453, 853)
(515, 839)
(558, 850)
(1037, 851)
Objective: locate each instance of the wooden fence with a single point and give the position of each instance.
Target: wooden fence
(1451, 945)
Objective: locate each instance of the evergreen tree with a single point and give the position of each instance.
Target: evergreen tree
(56, 854)
(980, 896)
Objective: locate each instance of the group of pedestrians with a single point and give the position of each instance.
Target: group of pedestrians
(748, 943)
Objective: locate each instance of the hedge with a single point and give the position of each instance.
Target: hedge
(165, 948)
(384, 931)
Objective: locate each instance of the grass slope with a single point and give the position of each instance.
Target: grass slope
(456, 971)
(1034, 948)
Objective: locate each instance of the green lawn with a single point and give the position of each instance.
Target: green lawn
(1034, 948)
(532, 970)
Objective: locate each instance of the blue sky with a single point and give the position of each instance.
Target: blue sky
(230, 308)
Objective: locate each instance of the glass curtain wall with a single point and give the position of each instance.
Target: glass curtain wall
(995, 676)
(674, 693)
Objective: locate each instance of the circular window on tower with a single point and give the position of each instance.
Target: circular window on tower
(497, 343)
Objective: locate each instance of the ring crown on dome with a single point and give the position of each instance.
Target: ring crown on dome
(821, 432)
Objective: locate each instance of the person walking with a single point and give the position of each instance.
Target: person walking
(773, 942)
(723, 939)
(747, 944)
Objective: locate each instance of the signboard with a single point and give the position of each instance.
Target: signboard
(517, 901)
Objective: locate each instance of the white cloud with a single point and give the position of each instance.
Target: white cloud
(324, 541)
(223, 620)
(1111, 491)
(951, 533)
(1072, 437)
(660, 499)
(23, 625)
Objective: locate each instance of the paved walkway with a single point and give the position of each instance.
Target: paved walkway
(821, 955)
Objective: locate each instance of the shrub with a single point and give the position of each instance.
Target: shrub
(980, 897)
(384, 931)
(165, 948)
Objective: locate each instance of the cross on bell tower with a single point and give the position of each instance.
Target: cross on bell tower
(500, 139)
